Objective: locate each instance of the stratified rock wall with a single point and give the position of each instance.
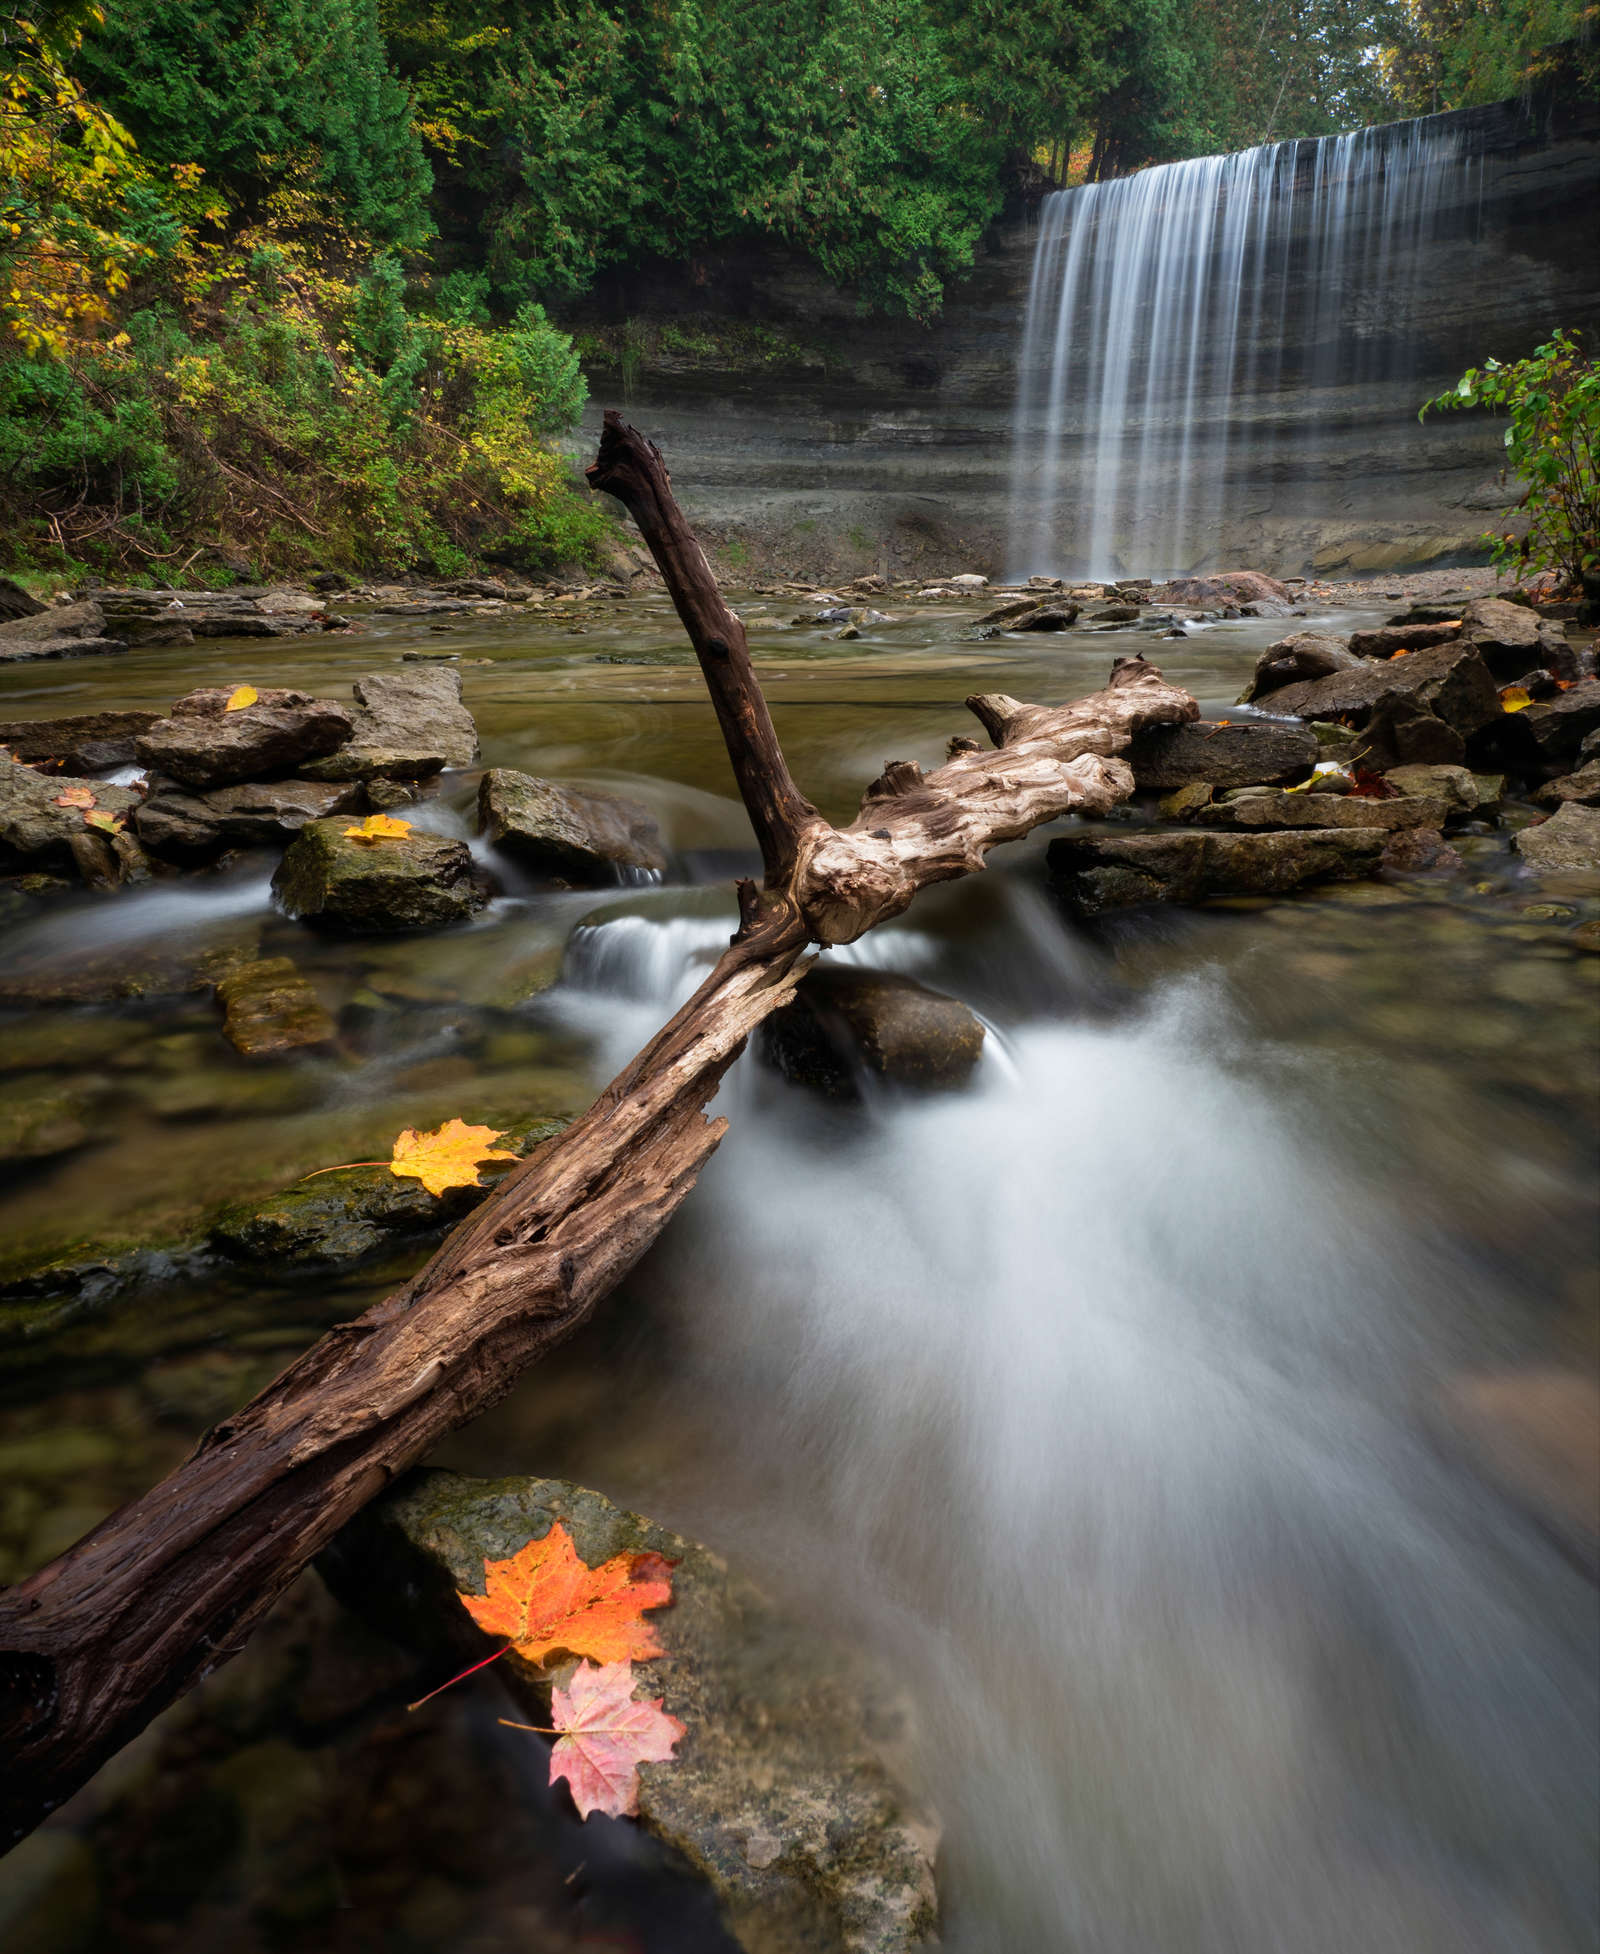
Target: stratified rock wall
(805, 438)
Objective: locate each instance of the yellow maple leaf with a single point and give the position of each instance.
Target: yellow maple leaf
(240, 697)
(379, 827)
(447, 1157)
(1514, 698)
(103, 818)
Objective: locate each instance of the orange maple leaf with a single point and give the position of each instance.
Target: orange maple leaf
(446, 1157)
(543, 1599)
(75, 797)
(379, 827)
(604, 1737)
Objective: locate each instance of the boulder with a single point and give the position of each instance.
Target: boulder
(269, 1009)
(1451, 681)
(1569, 839)
(1224, 587)
(1046, 617)
(1552, 731)
(36, 832)
(1390, 638)
(1506, 634)
(1412, 849)
(777, 1793)
(203, 745)
(1306, 655)
(1584, 785)
(1274, 809)
(1455, 786)
(845, 1025)
(574, 833)
(197, 827)
(1223, 753)
(84, 742)
(1099, 872)
(15, 601)
(406, 725)
(414, 881)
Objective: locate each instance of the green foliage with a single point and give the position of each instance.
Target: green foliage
(1449, 54)
(1552, 446)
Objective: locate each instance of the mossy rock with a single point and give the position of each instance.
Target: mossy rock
(412, 881)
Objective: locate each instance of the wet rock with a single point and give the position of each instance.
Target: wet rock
(406, 725)
(36, 832)
(1536, 1434)
(845, 1025)
(196, 827)
(1584, 785)
(204, 745)
(1185, 802)
(1418, 848)
(1451, 681)
(269, 1008)
(1455, 786)
(1404, 733)
(40, 1123)
(574, 833)
(415, 881)
(1544, 735)
(777, 1794)
(1099, 872)
(84, 742)
(1306, 655)
(1045, 617)
(1224, 753)
(1011, 608)
(1267, 808)
(1390, 638)
(1225, 587)
(1569, 839)
(337, 1219)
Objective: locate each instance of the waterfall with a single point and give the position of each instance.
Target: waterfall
(1169, 311)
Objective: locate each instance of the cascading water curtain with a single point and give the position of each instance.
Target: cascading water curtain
(1168, 311)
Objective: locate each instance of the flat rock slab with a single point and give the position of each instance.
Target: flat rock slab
(1095, 873)
(270, 1009)
(42, 648)
(1457, 786)
(1451, 681)
(1273, 809)
(82, 620)
(1390, 638)
(1222, 753)
(573, 833)
(1569, 839)
(196, 827)
(81, 742)
(204, 745)
(414, 881)
(845, 1025)
(405, 725)
(776, 1794)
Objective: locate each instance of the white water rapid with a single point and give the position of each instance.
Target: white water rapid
(1167, 311)
(1088, 1397)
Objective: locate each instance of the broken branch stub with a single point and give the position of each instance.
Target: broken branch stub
(95, 1644)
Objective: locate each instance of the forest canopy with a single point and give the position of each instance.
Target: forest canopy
(248, 240)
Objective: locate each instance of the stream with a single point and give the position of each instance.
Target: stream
(1107, 1401)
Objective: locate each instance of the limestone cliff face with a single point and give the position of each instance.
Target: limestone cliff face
(805, 438)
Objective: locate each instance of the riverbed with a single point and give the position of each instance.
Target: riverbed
(1115, 1402)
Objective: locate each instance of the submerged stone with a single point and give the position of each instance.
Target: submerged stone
(571, 832)
(269, 1008)
(1094, 873)
(45, 1121)
(844, 1025)
(777, 1794)
(414, 881)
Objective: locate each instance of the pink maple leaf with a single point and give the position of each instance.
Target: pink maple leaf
(606, 1736)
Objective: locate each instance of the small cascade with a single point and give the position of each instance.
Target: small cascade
(1169, 310)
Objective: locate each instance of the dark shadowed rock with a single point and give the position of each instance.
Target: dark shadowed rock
(415, 881)
(571, 832)
(1404, 733)
(204, 745)
(36, 832)
(405, 725)
(83, 742)
(1282, 810)
(844, 1025)
(269, 1009)
(1569, 839)
(15, 601)
(196, 827)
(777, 1793)
(1390, 638)
(1307, 655)
(1584, 785)
(1098, 872)
(1225, 753)
(1451, 681)
(1552, 731)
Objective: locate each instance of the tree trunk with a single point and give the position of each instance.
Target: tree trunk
(168, 1588)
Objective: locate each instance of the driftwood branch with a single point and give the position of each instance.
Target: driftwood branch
(169, 1587)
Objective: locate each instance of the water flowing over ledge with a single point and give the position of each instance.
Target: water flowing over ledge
(1166, 311)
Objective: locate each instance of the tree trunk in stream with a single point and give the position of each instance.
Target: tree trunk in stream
(163, 1591)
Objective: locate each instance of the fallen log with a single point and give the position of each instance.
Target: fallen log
(169, 1587)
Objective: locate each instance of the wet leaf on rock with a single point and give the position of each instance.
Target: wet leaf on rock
(605, 1737)
(447, 1157)
(1514, 698)
(240, 697)
(75, 797)
(544, 1598)
(378, 827)
(103, 819)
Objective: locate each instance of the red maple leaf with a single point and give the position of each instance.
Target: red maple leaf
(605, 1736)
